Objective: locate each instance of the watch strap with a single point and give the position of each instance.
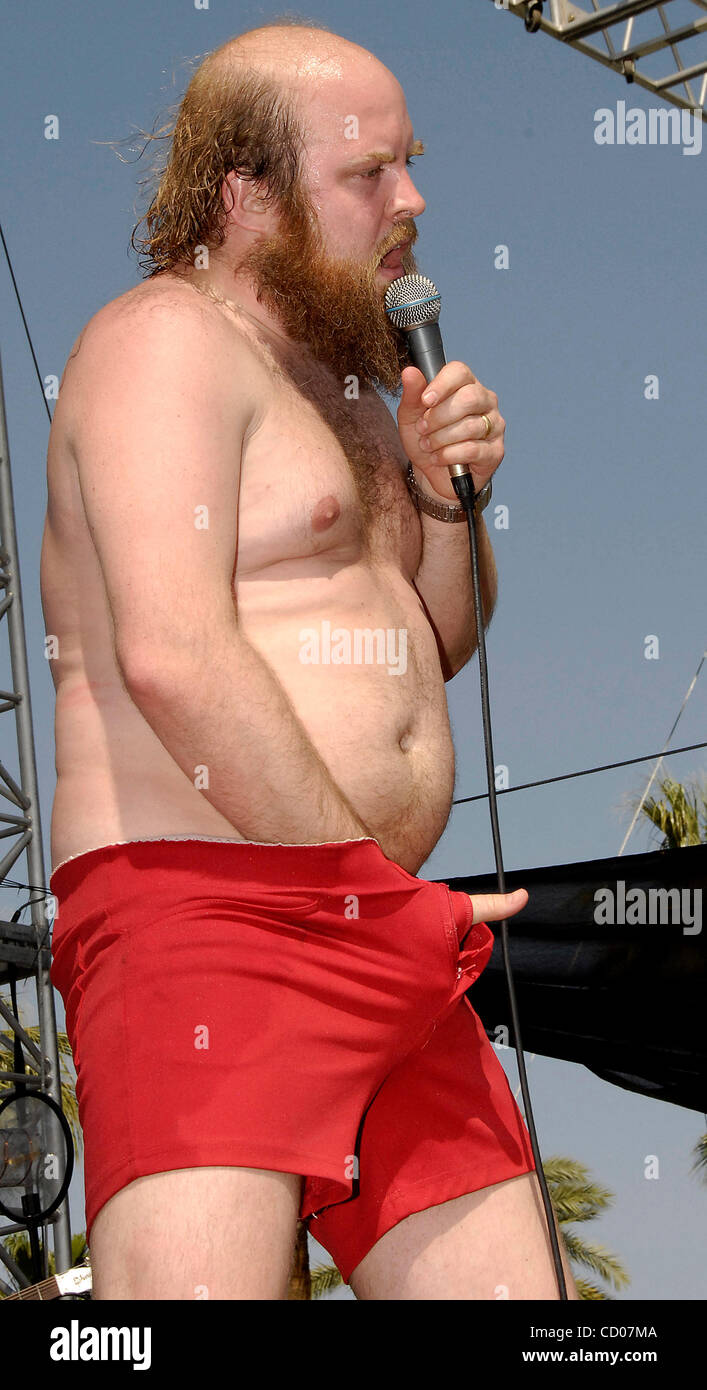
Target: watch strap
(444, 511)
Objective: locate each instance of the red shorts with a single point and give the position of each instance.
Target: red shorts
(291, 1007)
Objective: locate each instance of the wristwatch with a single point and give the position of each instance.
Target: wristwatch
(444, 511)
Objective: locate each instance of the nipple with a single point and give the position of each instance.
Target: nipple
(325, 513)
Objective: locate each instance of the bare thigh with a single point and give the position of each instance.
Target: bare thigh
(197, 1233)
(490, 1244)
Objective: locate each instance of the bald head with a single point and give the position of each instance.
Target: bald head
(323, 74)
(294, 53)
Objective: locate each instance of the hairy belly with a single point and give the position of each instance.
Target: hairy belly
(364, 681)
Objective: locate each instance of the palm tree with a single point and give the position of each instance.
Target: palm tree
(574, 1197)
(678, 812)
(680, 815)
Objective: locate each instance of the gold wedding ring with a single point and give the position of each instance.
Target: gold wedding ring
(488, 426)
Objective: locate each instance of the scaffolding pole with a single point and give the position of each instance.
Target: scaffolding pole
(25, 948)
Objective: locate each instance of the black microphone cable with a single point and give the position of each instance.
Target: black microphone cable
(464, 488)
(412, 302)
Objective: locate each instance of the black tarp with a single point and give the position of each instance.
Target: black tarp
(626, 1000)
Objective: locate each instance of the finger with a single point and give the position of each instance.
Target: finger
(468, 398)
(493, 907)
(472, 428)
(479, 456)
(451, 376)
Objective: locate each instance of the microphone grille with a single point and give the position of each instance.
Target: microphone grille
(412, 300)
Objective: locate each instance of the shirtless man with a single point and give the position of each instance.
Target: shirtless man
(223, 479)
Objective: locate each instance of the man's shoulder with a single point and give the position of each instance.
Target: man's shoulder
(159, 300)
(156, 333)
(156, 315)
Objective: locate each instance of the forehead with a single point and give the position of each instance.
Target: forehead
(352, 110)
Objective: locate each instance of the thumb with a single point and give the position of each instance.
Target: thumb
(493, 907)
(411, 405)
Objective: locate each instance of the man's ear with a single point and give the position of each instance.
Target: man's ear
(245, 204)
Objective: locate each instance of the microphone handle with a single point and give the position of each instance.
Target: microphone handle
(426, 351)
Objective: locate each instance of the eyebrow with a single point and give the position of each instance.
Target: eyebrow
(383, 157)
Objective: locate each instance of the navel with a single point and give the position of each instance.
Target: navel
(405, 741)
(326, 512)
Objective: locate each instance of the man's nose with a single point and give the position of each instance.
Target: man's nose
(407, 198)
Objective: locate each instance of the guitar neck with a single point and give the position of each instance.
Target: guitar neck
(48, 1288)
(76, 1280)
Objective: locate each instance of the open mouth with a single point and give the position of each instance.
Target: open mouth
(393, 259)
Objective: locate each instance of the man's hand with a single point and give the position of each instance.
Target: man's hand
(493, 907)
(451, 430)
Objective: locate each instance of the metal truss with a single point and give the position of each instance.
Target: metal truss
(632, 48)
(24, 948)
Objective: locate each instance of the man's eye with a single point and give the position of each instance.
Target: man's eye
(373, 173)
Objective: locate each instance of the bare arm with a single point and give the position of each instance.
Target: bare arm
(444, 583)
(453, 434)
(158, 453)
(443, 579)
(224, 711)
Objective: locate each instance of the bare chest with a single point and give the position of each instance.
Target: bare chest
(323, 474)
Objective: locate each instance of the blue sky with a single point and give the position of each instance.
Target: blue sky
(605, 488)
